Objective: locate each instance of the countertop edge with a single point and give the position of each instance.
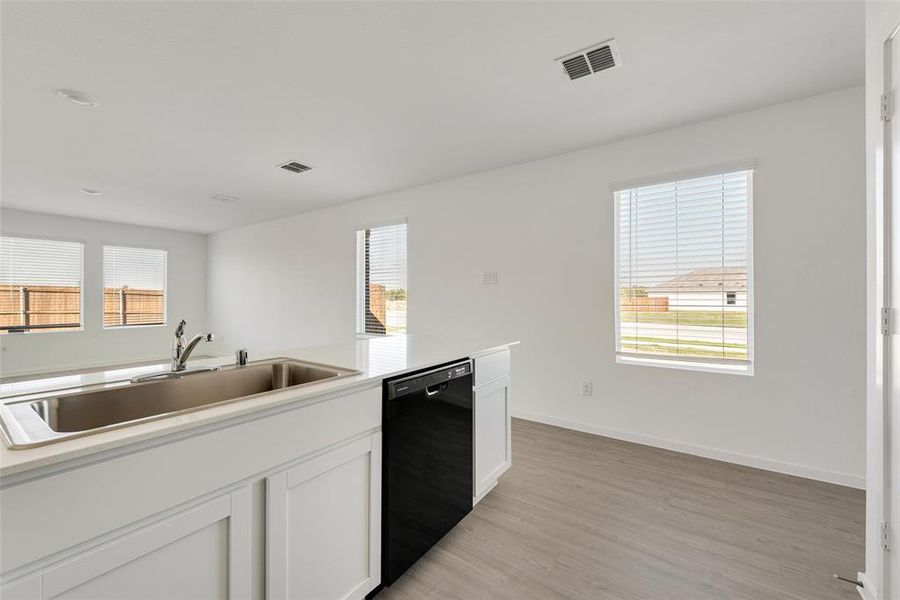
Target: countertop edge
(168, 430)
(104, 446)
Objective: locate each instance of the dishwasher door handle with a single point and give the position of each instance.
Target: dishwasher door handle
(438, 387)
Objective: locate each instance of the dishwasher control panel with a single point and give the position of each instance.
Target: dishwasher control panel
(419, 382)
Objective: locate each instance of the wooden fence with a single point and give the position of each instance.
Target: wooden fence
(643, 303)
(50, 307)
(376, 315)
(45, 307)
(132, 306)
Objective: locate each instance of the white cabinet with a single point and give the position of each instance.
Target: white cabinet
(187, 519)
(323, 525)
(200, 552)
(492, 434)
(493, 450)
(491, 367)
(26, 588)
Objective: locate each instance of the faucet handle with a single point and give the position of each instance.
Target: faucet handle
(180, 330)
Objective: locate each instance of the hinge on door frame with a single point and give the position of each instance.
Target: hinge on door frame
(887, 321)
(886, 106)
(886, 536)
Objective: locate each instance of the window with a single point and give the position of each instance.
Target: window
(134, 286)
(684, 258)
(40, 285)
(381, 279)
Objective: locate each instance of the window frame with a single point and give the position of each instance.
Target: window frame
(165, 323)
(707, 364)
(81, 316)
(360, 272)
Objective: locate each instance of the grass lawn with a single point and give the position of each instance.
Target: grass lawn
(654, 349)
(687, 317)
(630, 338)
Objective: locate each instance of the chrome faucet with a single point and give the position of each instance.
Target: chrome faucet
(181, 351)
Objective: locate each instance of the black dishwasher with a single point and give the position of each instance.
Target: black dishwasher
(427, 470)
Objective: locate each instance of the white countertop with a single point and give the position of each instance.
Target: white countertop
(376, 358)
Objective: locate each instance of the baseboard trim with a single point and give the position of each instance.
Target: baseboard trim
(766, 464)
(867, 592)
(481, 496)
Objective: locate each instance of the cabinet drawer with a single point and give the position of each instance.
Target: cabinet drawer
(491, 367)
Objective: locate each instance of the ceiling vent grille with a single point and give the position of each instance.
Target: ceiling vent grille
(295, 167)
(601, 59)
(577, 67)
(593, 59)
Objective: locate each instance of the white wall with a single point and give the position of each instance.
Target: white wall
(41, 352)
(547, 228)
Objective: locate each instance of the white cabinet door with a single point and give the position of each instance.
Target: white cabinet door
(323, 525)
(25, 588)
(202, 552)
(493, 453)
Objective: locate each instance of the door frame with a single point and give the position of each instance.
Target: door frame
(880, 579)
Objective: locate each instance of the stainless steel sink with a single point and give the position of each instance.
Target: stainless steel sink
(39, 419)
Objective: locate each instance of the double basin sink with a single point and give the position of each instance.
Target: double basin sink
(38, 419)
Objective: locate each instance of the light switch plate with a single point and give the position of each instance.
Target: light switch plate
(587, 388)
(489, 278)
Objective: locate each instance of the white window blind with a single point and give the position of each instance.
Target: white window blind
(40, 285)
(683, 270)
(381, 280)
(134, 286)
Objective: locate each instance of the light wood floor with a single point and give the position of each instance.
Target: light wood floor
(582, 516)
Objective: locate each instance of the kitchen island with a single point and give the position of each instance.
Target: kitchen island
(277, 495)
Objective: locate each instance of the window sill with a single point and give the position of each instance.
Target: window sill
(130, 327)
(43, 332)
(370, 336)
(684, 365)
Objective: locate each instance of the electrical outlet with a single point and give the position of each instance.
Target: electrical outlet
(489, 278)
(587, 388)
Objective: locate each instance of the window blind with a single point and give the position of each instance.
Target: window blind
(40, 285)
(381, 280)
(684, 260)
(134, 286)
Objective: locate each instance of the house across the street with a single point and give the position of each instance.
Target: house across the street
(717, 288)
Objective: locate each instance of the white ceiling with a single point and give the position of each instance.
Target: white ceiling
(200, 98)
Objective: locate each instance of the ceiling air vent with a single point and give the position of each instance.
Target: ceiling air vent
(576, 67)
(591, 60)
(295, 167)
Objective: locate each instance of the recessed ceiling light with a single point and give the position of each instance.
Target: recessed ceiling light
(90, 192)
(77, 98)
